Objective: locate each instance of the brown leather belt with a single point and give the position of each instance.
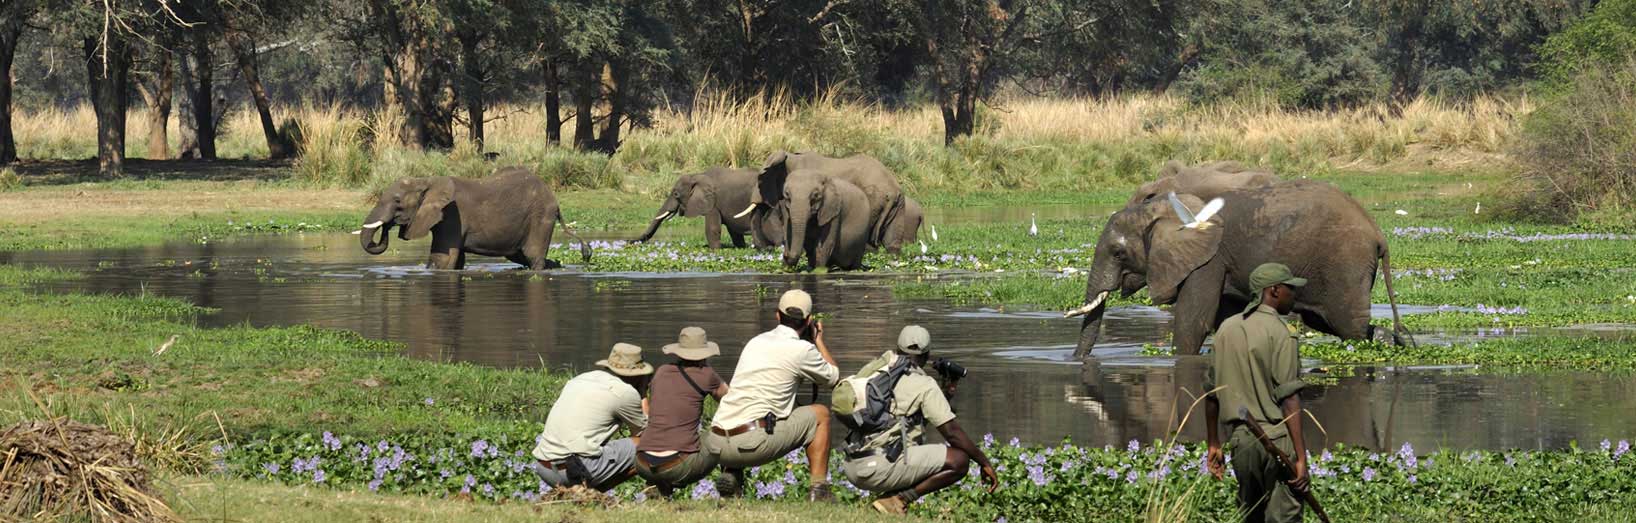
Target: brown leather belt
(728, 433)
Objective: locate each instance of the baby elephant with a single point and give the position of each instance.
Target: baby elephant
(509, 214)
(839, 236)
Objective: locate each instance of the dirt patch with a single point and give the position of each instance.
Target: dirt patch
(578, 495)
(181, 197)
(306, 376)
(63, 469)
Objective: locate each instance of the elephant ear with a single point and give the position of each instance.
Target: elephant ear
(700, 198)
(770, 181)
(830, 207)
(1175, 252)
(439, 194)
(1170, 168)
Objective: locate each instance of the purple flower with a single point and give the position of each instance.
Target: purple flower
(471, 481)
(1037, 475)
(444, 474)
(1412, 479)
(488, 490)
(429, 402)
(318, 476)
(1622, 449)
(789, 477)
(1368, 474)
(1130, 477)
(271, 468)
(217, 450)
(382, 445)
(1326, 456)
(1015, 443)
(479, 448)
(1607, 446)
(331, 442)
(1133, 446)
(988, 440)
(374, 485)
(705, 490)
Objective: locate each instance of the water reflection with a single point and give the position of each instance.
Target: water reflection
(1022, 381)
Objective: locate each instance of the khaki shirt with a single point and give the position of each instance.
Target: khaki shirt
(915, 393)
(1256, 362)
(586, 414)
(769, 369)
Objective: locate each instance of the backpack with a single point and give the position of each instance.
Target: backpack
(863, 402)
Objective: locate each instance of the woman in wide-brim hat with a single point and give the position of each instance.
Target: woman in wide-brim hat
(669, 455)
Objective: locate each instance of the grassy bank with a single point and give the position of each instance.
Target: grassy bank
(1035, 144)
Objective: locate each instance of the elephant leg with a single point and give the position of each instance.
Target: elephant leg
(712, 229)
(521, 259)
(538, 245)
(460, 260)
(443, 260)
(738, 239)
(1197, 303)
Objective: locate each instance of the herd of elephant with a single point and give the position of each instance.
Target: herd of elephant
(832, 211)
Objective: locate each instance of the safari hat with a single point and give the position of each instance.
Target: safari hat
(796, 299)
(693, 345)
(1267, 275)
(914, 340)
(626, 360)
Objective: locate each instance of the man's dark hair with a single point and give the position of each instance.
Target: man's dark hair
(792, 318)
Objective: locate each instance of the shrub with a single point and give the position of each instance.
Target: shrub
(9, 179)
(1579, 147)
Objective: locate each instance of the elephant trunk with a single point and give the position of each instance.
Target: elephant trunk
(377, 221)
(671, 208)
(795, 234)
(1096, 305)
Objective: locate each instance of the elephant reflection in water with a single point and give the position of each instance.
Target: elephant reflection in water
(1153, 402)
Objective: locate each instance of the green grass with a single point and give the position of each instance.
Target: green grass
(259, 380)
(131, 231)
(211, 498)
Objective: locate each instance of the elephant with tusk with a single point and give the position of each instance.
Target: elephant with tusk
(789, 185)
(511, 214)
(716, 194)
(1203, 273)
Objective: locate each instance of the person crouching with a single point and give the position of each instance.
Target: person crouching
(574, 448)
(668, 455)
(917, 469)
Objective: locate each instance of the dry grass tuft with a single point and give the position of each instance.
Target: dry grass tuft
(59, 468)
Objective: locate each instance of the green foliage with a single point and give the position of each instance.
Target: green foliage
(9, 179)
(1602, 39)
(1577, 146)
(1305, 54)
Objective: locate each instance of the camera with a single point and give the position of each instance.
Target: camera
(948, 369)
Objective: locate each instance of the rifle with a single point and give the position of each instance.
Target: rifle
(1283, 459)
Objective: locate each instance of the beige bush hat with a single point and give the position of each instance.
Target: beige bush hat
(692, 344)
(626, 360)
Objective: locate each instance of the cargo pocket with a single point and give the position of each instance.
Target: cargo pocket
(749, 441)
(864, 472)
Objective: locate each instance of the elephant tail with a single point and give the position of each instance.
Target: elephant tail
(1391, 294)
(584, 248)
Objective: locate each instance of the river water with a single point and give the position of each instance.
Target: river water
(1022, 382)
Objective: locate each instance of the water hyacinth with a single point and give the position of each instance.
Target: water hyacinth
(1039, 483)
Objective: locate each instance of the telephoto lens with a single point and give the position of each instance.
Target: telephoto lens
(949, 369)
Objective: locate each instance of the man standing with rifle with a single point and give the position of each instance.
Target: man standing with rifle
(1256, 378)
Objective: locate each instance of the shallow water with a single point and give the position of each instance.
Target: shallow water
(1023, 382)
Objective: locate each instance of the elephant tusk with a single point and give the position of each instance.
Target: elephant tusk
(745, 211)
(357, 232)
(1088, 307)
(662, 216)
(374, 224)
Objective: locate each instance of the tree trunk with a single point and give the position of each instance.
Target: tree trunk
(1189, 53)
(586, 83)
(1406, 60)
(472, 83)
(553, 103)
(419, 89)
(187, 129)
(197, 108)
(613, 82)
(156, 93)
(108, 69)
(11, 29)
(245, 53)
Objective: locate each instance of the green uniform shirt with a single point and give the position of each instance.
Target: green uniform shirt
(915, 393)
(1257, 363)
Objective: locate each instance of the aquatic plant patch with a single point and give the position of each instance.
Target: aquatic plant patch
(1039, 483)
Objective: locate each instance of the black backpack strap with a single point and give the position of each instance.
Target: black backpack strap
(689, 379)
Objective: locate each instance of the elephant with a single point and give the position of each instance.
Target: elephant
(511, 214)
(1205, 181)
(906, 228)
(1318, 231)
(716, 194)
(789, 183)
(840, 237)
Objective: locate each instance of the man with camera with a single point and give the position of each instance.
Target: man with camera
(891, 460)
(757, 421)
(575, 448)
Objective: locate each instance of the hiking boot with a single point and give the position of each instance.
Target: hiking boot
(891, 505)
(821, 493)
(730, 484)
